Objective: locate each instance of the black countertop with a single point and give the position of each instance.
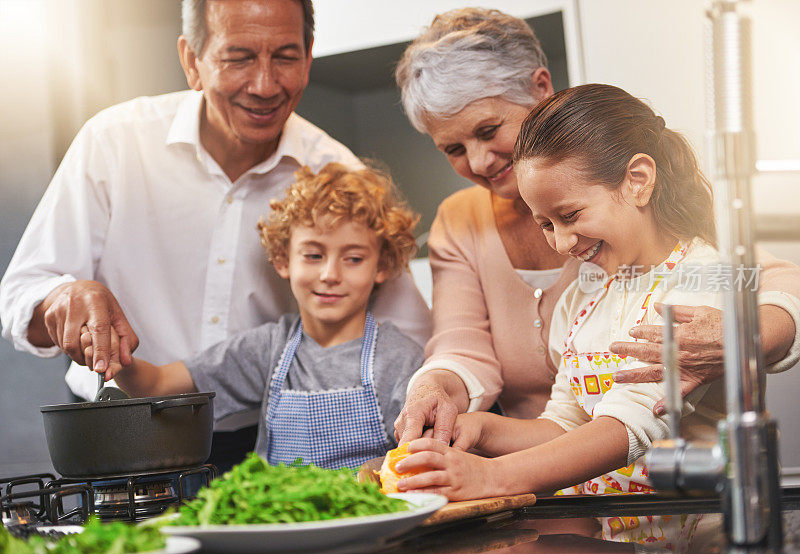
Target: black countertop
(571, 524)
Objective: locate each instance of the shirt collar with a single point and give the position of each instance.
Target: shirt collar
(185, 128)
(290, 145)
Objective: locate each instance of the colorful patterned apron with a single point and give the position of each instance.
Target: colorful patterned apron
(332, 428)
(590, 376)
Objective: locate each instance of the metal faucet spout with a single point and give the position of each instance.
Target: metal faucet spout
(743, 467)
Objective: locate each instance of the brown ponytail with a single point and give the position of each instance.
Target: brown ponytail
(603, 127)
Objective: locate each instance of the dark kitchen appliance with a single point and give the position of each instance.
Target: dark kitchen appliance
(111, 438)
(30, 502)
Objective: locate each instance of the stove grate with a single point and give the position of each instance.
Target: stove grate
(32, 500)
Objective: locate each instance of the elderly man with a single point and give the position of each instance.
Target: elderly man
(149, 222)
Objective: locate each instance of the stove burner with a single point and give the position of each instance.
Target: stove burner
(23, 514)
(113, 501)
(112, 495)
(45, 499)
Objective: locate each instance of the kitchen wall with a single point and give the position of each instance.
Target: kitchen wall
(66, 59)
(783, 388)
(26, 145)
(63, 60)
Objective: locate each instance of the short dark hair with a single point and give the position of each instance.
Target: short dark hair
(195, 26)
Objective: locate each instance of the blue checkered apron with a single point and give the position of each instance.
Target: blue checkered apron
(332, 428)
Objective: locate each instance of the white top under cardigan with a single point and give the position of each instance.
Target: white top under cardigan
(612, 318)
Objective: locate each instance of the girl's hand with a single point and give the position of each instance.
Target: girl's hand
(468, 431)
(451, 472)
(87, 346)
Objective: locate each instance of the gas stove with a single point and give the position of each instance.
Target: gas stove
(30, 502)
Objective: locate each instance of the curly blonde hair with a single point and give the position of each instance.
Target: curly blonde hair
(367, 196)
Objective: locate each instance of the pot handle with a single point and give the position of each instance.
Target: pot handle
(195, 402)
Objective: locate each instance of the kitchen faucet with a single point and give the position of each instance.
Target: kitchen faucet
(743, 466)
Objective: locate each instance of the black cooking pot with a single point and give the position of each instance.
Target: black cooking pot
(94, 439)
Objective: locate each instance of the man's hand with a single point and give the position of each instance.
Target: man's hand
(430, 404)
(700, 351)
(68, 308)
(114, 365)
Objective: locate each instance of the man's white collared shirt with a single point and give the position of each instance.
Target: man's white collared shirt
(139, 205)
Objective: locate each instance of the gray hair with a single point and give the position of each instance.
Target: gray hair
(195, 27)
(466, 55)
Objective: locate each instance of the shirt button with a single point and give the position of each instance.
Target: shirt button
(540, 349)
(215, 319)
(220, 260)
(229, 199)
(537, 323)
(537, 293)
(552, 378)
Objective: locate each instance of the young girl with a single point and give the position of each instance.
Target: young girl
(611, 186)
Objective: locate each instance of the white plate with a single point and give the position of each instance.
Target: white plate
(175, 545)
(181, 545)
(314, 535)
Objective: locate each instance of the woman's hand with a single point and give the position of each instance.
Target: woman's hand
(87, 347)
(431, 404)
(700, 353)
(700, 348)
(451, 472)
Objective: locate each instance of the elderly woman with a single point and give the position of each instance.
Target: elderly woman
(468, 81)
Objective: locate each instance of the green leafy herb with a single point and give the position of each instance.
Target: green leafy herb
(97, 537)
(255, 492)
(12, 545)
(112, 538)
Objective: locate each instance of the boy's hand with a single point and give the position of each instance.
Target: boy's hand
(468, 431)
(451, 472)
(114, 366)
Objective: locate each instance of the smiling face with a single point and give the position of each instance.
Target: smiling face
(252, 71)
(479, 140)
(588, 221)
(332, 271)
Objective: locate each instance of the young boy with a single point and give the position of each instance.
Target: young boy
(329, 381)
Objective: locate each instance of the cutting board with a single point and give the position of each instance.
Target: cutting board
(466, 509)
(454, 511)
